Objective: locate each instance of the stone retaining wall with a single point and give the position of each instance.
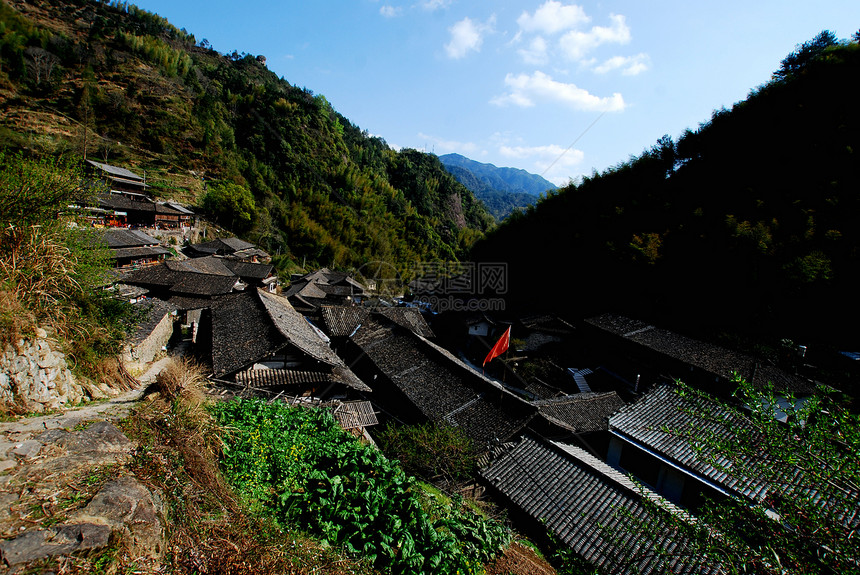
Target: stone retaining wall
(35, 377)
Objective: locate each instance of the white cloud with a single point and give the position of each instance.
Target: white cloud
(467, 36)
(551, 161)
(576, 44)
(441, 146)
(432, 5)
(629, 65)
(536, 53)
(389, 11)
(525, 90)
(553, 17)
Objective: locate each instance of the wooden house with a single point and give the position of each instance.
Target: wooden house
(119, 180)
(256, 339)
(133, 249)
(229, 247)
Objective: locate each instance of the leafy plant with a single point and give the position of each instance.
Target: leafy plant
(300, 466)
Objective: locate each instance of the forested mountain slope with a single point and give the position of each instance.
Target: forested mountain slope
(131, 89)
(748, 222)
(501, 189)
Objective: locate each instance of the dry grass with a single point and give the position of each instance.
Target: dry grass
(209, 530)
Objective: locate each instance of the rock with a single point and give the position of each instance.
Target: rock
(30, 546)
(128, 506)
(83, 536)
(41, 333)
(7, 464)
(27, 449)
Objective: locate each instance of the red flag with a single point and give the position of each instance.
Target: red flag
(500, 347)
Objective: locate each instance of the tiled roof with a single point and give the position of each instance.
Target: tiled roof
(441, 386)
(121, 238)
(598, 512)
(116, 171)
(122, 203)
(280, 377)
(209, 265)
(341, 320)
(712, 358)
(242, 333)
(410, 318)
(180, 279)
(298, 332)
(152, 312)
(583, 412)
(662, 419)
(248, 270)
(140, 252)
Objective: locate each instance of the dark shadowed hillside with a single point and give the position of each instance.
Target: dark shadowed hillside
(746, 223)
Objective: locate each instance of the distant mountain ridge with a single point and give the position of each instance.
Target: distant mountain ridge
(499, 179)
(501, 189)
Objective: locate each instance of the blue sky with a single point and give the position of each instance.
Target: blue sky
(556, 88)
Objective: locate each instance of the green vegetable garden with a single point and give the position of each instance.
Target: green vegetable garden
(299, 466)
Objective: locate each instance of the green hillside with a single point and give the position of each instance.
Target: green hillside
(747, 223)
(126, 87)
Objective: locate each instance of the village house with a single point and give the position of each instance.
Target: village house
(257, 340)
(659, 355)
(654, 439)
(228, 247)
(323, 287)
(133, 249)
(598, 512)
(421, 381)
(118, 180)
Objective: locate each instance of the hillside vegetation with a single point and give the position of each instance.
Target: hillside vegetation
(502, 190)
(126, 87)
(747, 223)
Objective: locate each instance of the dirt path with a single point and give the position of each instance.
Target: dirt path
(66, 498)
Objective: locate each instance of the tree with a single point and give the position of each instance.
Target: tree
(805, 53)
(231, 205)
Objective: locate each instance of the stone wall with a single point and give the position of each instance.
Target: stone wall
(35, 377)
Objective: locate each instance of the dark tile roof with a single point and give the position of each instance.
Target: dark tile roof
(712, 358)
(242, 333)
(661, 420)
(299, 332)
(209, 265)
(180, 279)
(281, 377)
(166, 209)
(140, 252)
(116, 171)
(592, 508)
(583, 412)
(249, 270)
(542, 390)
(123, 203)
(410, 318)
(341, 320)
(122, 238)
(152, 311)
(440, 386)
